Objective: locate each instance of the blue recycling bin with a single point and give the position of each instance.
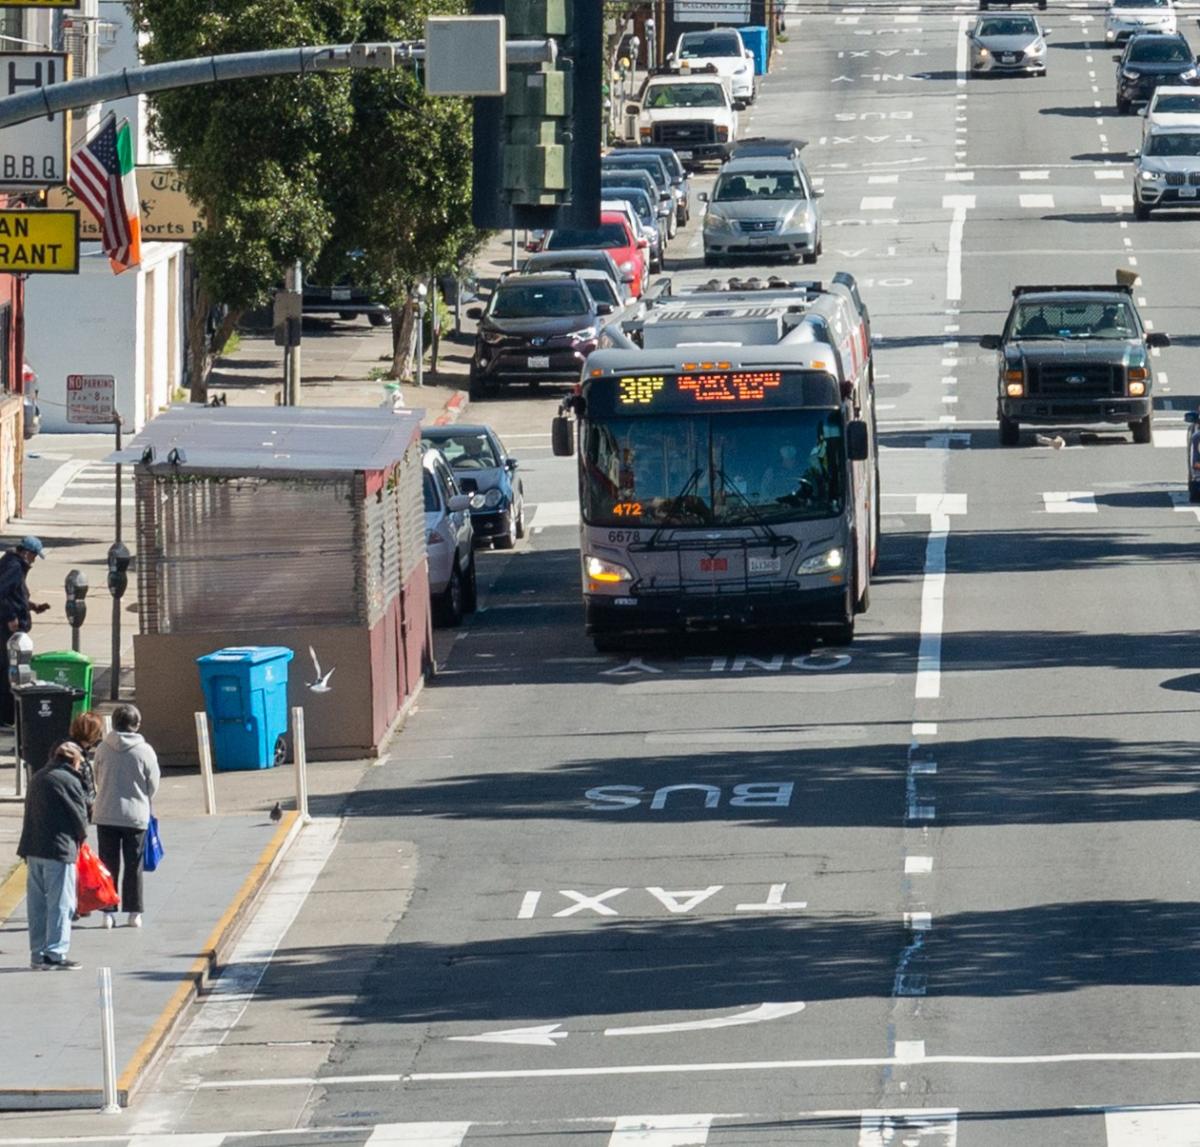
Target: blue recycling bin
(245, 693)
(757, 41)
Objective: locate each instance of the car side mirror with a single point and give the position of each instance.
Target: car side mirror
(605, 308)
(1191, 417)
(990, 342)
(1117, 59)
(459, 502)
(670, 57)
(562, 437)
(474, 312)
(1046, 32)
(1143, 112)
(632, 109)
(702, 196)
(818, 193)
(643, 244)
(511, 463)
(1158, 338)
(858, 443)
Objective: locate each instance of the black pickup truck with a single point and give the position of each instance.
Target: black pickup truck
(1072, 356)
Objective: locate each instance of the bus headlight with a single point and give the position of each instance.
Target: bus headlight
(605, 571)
(832, 559)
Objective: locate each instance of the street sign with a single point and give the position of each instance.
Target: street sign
(91, 398)
(34, 242)
(39, 3)
(34, 153)
(168, 215)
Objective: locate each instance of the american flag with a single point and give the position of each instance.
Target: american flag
(99, 179)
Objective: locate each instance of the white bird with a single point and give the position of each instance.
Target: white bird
(1057, 442)
(321, 684)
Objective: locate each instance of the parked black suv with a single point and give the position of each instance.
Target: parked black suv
(536, 328)
(1074, 355)
(1150, 59)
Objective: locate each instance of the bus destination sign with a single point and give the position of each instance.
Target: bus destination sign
(701, 387)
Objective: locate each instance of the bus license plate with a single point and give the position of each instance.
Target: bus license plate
(539, 362)
(764, 565)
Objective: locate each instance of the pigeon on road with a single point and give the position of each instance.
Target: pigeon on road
(277, 812)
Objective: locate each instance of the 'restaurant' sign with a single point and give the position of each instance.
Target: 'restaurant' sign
(34, 242)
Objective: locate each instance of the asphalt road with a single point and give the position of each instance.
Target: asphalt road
(975, 878)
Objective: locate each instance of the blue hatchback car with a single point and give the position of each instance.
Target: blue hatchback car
(486, 471)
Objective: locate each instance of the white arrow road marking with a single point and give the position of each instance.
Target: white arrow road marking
(543, 1036)
(755, 1016)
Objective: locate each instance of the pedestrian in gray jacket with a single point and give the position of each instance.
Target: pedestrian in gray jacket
(127, 778)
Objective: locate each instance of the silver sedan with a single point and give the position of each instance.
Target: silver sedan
(1008, 44)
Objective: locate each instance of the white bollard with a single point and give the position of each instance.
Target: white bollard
(108, 1043)
(206, 765)
(300, 752)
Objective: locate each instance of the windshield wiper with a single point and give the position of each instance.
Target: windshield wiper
(755, 513)
(676, 502)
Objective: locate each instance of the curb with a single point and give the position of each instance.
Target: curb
(207, 962)
(454, 409)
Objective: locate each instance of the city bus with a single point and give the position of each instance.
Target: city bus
(728, 469)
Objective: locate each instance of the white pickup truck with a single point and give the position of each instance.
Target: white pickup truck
(690, 110)
(723, 49)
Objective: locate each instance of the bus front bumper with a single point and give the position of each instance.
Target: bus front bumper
(703, 612)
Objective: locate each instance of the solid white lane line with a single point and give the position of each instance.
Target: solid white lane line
(1070, 502)
(419, 1134)
(960, 59)
(960, 204)
(53, 488)
(661, 1131)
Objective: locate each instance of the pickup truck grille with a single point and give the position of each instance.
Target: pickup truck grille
(1076, 380)
(684, 133)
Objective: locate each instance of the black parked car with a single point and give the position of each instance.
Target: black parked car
(487, 472)
(1150, 59)
(536, 328)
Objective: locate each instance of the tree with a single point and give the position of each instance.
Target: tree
(253, 150)
(400, 182)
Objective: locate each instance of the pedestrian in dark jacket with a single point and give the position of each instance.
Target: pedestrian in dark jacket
(15, 610)
(55, 825)
(87, 730)
(127, 777)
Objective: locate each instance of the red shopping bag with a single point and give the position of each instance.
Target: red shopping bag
(94, 886)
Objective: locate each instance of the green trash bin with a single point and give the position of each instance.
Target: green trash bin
(65, 667)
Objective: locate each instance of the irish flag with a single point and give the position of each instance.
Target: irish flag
(102, 176)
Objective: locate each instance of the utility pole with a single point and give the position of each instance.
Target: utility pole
(294, 285)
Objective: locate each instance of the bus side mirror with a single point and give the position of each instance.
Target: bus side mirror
(562, 437)
(858, 443)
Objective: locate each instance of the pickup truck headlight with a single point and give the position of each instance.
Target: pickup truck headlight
(1190, 74)
(826, 562)
(723, 131)
(598, 569)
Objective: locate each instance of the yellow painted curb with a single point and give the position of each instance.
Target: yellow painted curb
(204, 962)
(12, 891)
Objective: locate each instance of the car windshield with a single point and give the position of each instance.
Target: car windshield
(535, 300)
(1011, 27)
(650, 164)
(607, 235)
(729, 470)
(1183, 143)
(1180, 103)
(468, 450)
(636, 198)
(1104, 318)
(703, 45)
(567, 259)
(685, 96)
(601, 289)
(758, 185)
(1144, 50)
(1141, 3)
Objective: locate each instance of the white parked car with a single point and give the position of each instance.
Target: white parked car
(723, 49)
(1126, 18)
(449, 541)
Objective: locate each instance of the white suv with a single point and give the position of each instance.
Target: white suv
(449, 541)
(1127, 18)
(723, 49)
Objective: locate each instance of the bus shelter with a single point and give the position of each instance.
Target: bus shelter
(282, 526)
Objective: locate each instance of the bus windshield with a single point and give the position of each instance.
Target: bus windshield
(732, 469)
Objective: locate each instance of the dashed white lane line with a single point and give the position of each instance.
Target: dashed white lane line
(1030, 176)
(933, 607)
(960, 204)
(878, 179)
(661, 1131)
(960, 58)
(419, 1134)
(1037, 201)
(1105, 173)
(877, 203)
(1116, 202)
(918, 865)
(924, 729)
(959, 176)
(1070, 502)
(918, 921)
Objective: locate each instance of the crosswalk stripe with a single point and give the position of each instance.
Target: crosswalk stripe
(1070, 502)
(1162, 1127)
(419, 1134)
(554, 514)
(1037, 201)
(933, 1128)
(661, 1131)
(1172, 439)
(877, 203)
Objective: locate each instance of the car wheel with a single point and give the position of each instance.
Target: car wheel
(711, 260)
(1010, 431)
(470, 598)
(1194, 492)
(843, 632)
(450, 605)
(809, 257)
(474, 385)
(1142, 431)
(1122, 106)
(672, 226)
(820, 247)
(520, 524)
(508, 539)
(1141, 210)
(377, 320)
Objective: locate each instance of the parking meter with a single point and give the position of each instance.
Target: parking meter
(119, 559)
(20, 654)
(77, 588)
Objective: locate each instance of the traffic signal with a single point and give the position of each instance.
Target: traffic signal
(537, 149)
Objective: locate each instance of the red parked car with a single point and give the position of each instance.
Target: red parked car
(629, 251)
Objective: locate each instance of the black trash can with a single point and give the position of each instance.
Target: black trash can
(43, 719)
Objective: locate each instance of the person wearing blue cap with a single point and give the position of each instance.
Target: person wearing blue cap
(15, 610)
